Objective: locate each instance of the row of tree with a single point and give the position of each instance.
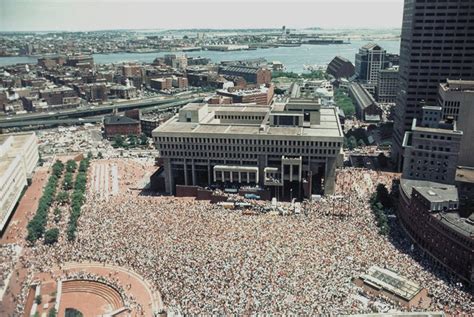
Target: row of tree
(380, 202)
(36, 226)
(77, 199)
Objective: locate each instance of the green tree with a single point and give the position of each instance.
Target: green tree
(51, 236)
(119, 141)
(383, 196)
(52, 312)
(71, 166)
(100, 156)
(143, 139)
(68, 181)
(351, 142)
(62, 198)
(38, 299)
(361, 143)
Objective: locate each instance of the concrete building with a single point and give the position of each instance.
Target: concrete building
(131, 70)
(290, 149)
(253, 75)
(179, 82)
(369, 61)
(367, 109)
(436, 44)
(432, 148)
(18, 158)
(456, 97)
(387, 85)
(262, 95)
(340, 67)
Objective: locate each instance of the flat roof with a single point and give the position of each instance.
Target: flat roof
(442, 192)
(465, 174)
(329, 127)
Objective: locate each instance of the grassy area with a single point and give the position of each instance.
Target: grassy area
(344, 102)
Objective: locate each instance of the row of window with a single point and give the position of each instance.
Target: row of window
(435, 137)
(216, 141)
(239, 117)
(250, 152)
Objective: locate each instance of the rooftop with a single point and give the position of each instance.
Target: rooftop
(465, 174)
(111, 120)
(391, 282)
(442, 192)
(329, 126)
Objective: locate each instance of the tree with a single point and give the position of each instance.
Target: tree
(68, 181)
(89, 155)
(143, 139)
(57, 214)
(38, 299)
(361, 143)
(52, 312)
(51, 236)
(383, 161)
(119, 141)
(351, 142)
(100, 156)
(383, 196)
(71, 166)
(62, 198)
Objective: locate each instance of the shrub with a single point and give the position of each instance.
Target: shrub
(62, 198)
(68, 181)
(71, 166)
(52, 312)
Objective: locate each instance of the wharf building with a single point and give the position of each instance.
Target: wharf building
(437, 42)
(18, 158)
(290, 149)
(340, 67)
(252, 75)
(456, 97)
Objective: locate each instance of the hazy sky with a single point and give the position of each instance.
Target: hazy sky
(40, 15)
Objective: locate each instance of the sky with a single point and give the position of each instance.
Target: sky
(77, 15)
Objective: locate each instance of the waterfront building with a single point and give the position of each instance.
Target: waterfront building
(340, 67)
(290, 149)
(456, 97)
(437, 43)
(253, 75)
(387, 85)
(18, 158)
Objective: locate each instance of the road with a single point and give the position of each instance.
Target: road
(92, 114)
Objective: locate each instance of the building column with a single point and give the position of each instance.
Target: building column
(169, 186)
(215, 175)
(330, 176)
(209, 175)
(248, 177)
(223, 175)
(193, 172)
(291, 172)
(231, 176)
(240, 177)
(185, 173)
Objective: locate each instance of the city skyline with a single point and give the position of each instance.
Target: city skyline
(74, 15)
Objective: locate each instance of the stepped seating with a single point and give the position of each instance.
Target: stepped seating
(108, 293)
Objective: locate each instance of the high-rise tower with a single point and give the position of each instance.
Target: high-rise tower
(437, 43)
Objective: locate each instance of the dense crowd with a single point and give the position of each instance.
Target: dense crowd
(205, 259)
(8, 258)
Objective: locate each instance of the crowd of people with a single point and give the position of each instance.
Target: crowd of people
(205, 259)
(8, 257)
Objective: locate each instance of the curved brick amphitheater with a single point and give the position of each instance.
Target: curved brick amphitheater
(91, 291)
